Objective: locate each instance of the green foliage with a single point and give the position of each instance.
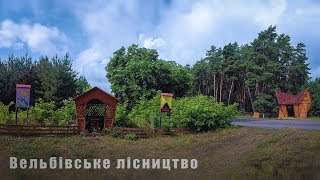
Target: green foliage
(315, 94)
(131, 137)
(121, 116)
(50, 79)
(58, 80)
(43, 112)
(82, 85)
(67, 113)
(250, 74)
(166, 127)
(198, 113)
(106, 131)
(46, 113)
(137, 73)
(115, 132)
(146, 113)
(265, 103)
(201, 113)
(5, 115)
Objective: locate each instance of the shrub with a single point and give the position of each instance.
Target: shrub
(146, 113)
(5, 115)
(115, 132)
(66, 114)
(130, 137)
(199, 113)
(166, 127)
(106, 131)
(121, 116)
(43, 112)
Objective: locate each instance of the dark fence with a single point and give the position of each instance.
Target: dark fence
(147, 133)
(37, 130)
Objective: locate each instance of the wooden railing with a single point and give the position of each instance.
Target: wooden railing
(37, 130)
(147, 133)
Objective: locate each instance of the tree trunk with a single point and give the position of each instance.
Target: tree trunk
(214, 87)
(203, 88)
(230, 92)
(256, 92)
(251, 99)
(221, 83)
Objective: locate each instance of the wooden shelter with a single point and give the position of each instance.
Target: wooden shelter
(95, 110)
(296, 106)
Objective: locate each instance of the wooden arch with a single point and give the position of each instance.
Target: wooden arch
(95, 93)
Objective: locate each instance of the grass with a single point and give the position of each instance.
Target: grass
(232, 152)
(249, 116)
(314, 118)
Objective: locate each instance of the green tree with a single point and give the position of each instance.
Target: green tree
(315, 94)
(298, 72)
(137, 73)
(82, 85)
(66, 79)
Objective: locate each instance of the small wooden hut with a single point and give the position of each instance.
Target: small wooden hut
(95, 110)
(296, 106)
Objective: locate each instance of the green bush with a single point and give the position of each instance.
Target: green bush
(106, 131)
(315, 94)
(199, 113)
(5, 116)
(43, 112)
(46, 113)
(121, 116)
(115, 132)
(66, 114)
(166, 127)
(146, 113)
(130, 137)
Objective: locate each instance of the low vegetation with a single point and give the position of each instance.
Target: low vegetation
(44, 113)
(199, 113)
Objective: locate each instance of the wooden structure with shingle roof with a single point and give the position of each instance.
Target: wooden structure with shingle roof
(95, 110)
(297, 106)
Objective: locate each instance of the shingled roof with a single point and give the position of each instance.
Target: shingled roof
(288, 99)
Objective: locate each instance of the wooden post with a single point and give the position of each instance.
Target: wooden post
(16, 115)
(27, 115)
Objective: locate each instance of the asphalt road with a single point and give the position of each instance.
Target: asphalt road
(279, 124)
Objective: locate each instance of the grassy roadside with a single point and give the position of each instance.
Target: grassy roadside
(235, 152)
(248, 116)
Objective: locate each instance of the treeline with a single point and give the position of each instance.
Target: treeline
(51, 79)
(248, 74)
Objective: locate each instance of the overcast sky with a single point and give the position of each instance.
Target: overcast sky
(180, 30)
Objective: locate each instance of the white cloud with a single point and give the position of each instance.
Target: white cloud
(271, 14)
(38, 38)
(184, 30)
(190, 32)
(151, 43)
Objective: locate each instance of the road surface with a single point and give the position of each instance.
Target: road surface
(279, 124)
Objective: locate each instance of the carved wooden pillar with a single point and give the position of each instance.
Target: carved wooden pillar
(109, 116)
(81, 117)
